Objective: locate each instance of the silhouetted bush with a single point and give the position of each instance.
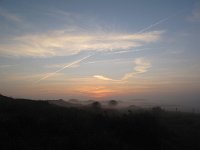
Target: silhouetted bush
(112, 103)
(157, 109)
(96, 105)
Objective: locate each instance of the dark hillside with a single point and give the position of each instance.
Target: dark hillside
(39, 125)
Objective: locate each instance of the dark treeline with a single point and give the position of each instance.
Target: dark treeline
(39, 125)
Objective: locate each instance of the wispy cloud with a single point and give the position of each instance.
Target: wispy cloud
(104, 78)
(73, 38)
(195, 16)
(60, 43)
(141, 66)
(10, 16)
(6, 66)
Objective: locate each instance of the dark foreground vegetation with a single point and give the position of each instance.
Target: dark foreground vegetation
(39, 125)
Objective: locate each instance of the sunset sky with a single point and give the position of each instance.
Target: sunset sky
(101, 49)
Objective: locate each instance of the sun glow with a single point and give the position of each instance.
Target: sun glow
(97, 92)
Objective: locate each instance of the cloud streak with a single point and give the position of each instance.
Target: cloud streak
(195, 16)
(142, 66)
(104, 78)
(6, 66)
(10, 16)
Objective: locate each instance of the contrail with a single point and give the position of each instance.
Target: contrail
(154, 24)
(161, 21)
(67, 66)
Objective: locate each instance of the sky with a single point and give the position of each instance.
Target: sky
(130, 50)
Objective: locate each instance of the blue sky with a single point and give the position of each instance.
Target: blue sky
(89, 49)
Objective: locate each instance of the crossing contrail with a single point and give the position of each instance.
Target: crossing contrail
(67, 66)
(161, 21)
(154, 24)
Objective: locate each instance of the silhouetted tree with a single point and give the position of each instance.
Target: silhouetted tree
(96, 105)
(112, 103)
(157, 109)
(176, 109)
